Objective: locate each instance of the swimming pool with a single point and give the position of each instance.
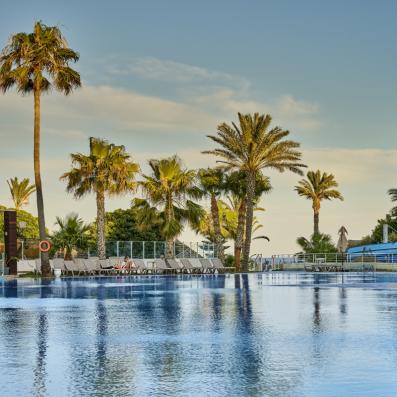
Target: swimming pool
(280, 334)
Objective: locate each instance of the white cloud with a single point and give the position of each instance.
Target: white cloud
(165, 70)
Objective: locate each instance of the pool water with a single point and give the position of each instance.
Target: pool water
(280, 334)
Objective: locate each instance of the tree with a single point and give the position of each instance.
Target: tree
(318, 243)
(169, 190)
(72, 234)
(251, 147)
(211, 181)
(108, 169)
(20, 191)
(123, 225)
(317, 187)
(36, 62)
(236, 185)
(206, 224)
(393, 196)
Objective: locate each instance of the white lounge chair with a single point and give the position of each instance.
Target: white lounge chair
(105, 266)
(25, 266)
(92, 266)
(59, 263)
(72, 267)
(160, 266)
(218, 265)
(207, 265)
(174, 265)
(140, 266)
(197, 266)
(187, 266)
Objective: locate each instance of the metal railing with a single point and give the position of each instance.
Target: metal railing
(157, 249)
(342, 261)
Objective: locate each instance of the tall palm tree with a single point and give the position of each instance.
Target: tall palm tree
(170, 189)
(393, 196)
(108, 169)
(236, 185)
(71, 235)
(252, 147)
(317, 187)
(36, 62)
(20, 191)
(211, 181)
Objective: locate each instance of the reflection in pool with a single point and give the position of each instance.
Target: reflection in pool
(280, 334)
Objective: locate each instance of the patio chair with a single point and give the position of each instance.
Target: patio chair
(37, 265)
(160, 266)
(174, 265)
(218, 265)
(207, 265)
(59, 263)
(25, 266)
(72, 267)
(187, 266)
(79, 265)
(140, 266)
(197, 266)
(105, 266)
(92, 266)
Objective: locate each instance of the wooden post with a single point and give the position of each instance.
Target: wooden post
(10, 240)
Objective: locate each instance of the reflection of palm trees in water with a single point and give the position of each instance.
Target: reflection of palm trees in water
(247, 359)
(39, 372)
(102, 327)
(316, 312)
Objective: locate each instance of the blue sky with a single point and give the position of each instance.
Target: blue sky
(158, 76)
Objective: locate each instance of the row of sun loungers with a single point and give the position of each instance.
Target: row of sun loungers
(115, 265)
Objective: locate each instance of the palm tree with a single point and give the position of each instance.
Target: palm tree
(236, 185)
(393, 196)
(317, 187)
(317, 243)
(72, 234)
(169, 188)
(252, 147)
(20, 191)
(37, 62)
(206, 224)
(211, 180)
(108, 169)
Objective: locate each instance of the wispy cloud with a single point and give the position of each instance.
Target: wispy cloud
(165, 70)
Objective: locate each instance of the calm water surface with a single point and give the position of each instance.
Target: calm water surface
(287, 334)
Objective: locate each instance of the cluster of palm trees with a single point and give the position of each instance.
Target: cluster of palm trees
(37, 61)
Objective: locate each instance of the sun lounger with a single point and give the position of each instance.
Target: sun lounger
(207, 265)
(72, 267)
(160, 266)
(140, 266)
(197, 266)
(92, 266)
(37, 265)
(174, 265)
(59, 263)
(105, 266)
(187, 266)
(218, 265)
(80, 266)
(25, 266)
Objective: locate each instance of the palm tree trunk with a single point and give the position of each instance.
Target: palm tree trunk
(219, 250)
(100, 224)
(249, 219)
(316, 219)
(169, 251)
(45, 263)
(238, 244)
